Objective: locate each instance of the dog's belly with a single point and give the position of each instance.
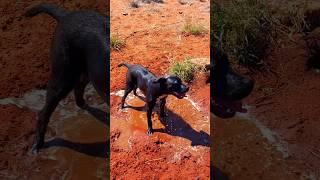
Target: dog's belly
(99, 82)
(97, 69)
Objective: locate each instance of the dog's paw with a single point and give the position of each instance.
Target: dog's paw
(149, 131)
(37, 145)
(82, 105)
(35, 149)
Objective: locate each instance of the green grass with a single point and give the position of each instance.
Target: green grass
(246, 29)
(116, 42)
(243, 29)
(184, 70)
(193, 29)
(293, 16)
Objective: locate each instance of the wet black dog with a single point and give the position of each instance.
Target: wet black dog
(79, 54)
(228, 87)
(153, 88)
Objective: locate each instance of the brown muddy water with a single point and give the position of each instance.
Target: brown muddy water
(76, 140)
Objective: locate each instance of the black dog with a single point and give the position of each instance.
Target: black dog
(79, 54)
(153, 88)
(228, 87)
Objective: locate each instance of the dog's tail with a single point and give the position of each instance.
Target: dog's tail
(124, 64)
(53, 10)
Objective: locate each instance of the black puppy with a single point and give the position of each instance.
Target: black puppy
(153, 88)
(79, 54)
(227, 85)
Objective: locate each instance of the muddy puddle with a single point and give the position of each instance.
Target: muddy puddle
(271, 136)
(245, 148)
(76, 140)
(186, 127)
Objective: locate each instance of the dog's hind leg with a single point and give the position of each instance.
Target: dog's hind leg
(64, 76)
(135, 91)
(55, 94)
(79, 91)
(128, 89)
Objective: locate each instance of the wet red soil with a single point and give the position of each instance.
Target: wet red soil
(179, 147)
(180, 143)
(24, 66)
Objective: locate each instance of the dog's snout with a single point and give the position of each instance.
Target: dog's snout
(184, 88)
(249, 84)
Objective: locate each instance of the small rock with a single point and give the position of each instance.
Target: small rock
(183, 2)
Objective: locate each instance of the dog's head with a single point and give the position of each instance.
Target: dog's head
(172, 85)
(228, 87)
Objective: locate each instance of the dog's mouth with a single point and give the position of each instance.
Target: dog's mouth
(226, 109)
(180, 95)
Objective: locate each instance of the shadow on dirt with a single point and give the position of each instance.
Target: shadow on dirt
(99, 115)
(176, 126)
(217, 174)
(98, 149)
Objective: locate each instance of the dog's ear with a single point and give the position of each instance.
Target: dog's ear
(160, 80)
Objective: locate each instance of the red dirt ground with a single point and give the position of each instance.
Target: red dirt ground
(153, 39)
(288, 102)
(24, 66)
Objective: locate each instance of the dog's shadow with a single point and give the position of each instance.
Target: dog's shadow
(217, 174)
(98, 114)
(176, 126)
(96, 149)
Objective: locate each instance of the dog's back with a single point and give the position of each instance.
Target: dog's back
(138, 71)
(139, 75)
(82, 39)
(76, 25)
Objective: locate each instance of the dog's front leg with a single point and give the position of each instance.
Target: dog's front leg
(162, 106)
(150, 106)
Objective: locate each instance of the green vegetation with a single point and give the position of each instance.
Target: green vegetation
(193, 29)
(243, 29)
(246, 29)
(184, 70)
(116, 42)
